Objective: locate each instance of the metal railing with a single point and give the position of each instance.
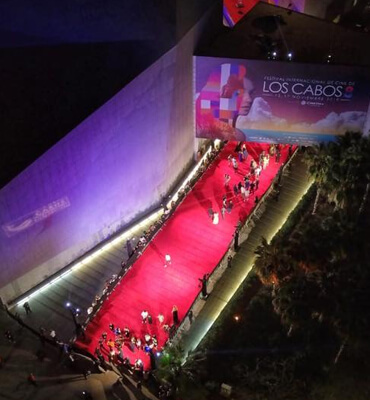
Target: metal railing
(173, 201)
(220, 268)
(209, 156)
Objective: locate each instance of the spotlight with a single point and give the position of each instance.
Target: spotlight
(272, 55)
(158, 353)
(68, 304)
(237, 318)
(329, 58)
(290, 56)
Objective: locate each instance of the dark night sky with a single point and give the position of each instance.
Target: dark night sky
(60, 61)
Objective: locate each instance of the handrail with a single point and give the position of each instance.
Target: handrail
(139, 250)
(181, 328)
(209, 156)
(34, 331)
(172, 198)
(175, 199)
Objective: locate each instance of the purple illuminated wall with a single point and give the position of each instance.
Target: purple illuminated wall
(110, 169)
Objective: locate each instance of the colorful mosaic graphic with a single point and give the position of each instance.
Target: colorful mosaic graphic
(277, 101)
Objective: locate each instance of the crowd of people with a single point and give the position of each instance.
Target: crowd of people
(250, 182)
(113, 341)
(137, 248)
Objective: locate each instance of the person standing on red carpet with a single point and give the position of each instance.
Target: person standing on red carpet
(175, 315)
(245, 152)
(126, 332)
(144, 316)
(235, 164)
(167, 260)
(223, 210)
(243, 193)
(229, 157)
(160, 318)
(227, 179)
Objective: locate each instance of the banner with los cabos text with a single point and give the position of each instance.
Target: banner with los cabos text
(278, 102)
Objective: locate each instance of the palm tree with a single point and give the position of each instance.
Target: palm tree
(365, 196)
(298, 300)
(319, 164)
(364, 171)
(347, 154)
(181, 372)
(348, 178)
(272, 265)
(340, 169)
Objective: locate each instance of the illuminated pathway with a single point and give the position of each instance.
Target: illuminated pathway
(295, 185)
(78, 287)
(196, 246)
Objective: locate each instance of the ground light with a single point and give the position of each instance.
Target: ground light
(74, 313)
(125, 235)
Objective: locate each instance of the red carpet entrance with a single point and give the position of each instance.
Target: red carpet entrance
(195, 245)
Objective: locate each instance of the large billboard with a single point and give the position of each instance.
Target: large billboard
(270, 101)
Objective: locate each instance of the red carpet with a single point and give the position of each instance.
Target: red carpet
(195, 245)
(233, 13)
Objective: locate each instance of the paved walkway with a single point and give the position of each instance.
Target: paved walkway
(196, 246)
(79, 288)
(294, 184)
(57, 377)
(48, 306)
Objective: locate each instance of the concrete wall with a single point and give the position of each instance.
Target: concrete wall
(110, 169)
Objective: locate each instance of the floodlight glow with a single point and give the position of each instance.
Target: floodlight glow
(189, 177)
